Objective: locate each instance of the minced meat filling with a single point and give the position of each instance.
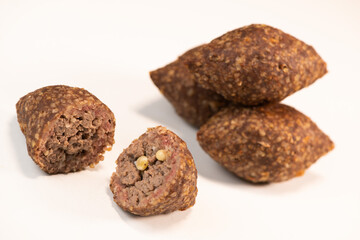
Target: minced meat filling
(140, 184)
(73, 136)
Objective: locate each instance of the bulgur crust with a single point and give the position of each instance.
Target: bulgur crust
(66, 128)
(255, 64)
(165, 185)
(192, 102)
(270, 143)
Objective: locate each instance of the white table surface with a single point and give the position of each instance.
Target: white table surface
(108, 47)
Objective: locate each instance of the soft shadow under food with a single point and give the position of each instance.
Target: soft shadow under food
(26, 164)
(150, 223)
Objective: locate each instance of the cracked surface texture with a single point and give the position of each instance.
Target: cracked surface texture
(270, 143)
(255, 64)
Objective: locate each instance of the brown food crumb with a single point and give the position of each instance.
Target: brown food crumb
(255, 64)
(192, 102)
(66, 128)
(164, 186)
(269, 143)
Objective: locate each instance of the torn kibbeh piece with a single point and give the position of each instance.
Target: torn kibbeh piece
(66, 128)
(156, 174)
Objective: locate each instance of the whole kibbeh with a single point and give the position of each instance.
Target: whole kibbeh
(270, 143)
(255, 64)
(192, 102)
(66, 128)
(156, 174)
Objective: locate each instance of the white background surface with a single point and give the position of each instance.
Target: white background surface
(108, 47)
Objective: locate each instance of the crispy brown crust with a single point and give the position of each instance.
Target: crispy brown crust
(192, 102)
(38, 111)
(179, 190)
(256, 64)
(269, 143)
